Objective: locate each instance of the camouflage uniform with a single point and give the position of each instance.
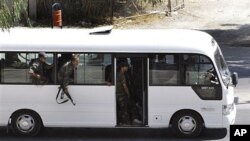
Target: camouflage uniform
(122, 100)
(65, 74)
(39, 68)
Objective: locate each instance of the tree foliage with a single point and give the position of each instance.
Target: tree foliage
(5, 15)
(12, 12)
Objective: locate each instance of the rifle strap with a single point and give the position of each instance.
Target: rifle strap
(57, 96)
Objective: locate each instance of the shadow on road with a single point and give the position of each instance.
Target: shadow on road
(238, 60)
(50, 134)
(234, 41)
(233, 35)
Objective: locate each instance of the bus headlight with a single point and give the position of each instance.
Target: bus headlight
(227, 109)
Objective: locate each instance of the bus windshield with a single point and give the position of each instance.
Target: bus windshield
(222, 66)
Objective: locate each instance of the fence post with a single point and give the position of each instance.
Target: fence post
(174, 5)
(169, 8)
(32, 9)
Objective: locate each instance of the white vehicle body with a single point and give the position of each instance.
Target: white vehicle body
(96, 105)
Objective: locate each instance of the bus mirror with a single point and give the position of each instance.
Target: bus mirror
(235, 78)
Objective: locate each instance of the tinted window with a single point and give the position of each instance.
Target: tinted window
(164, 69)
(94, 69)
(15, 67)
(198, 70)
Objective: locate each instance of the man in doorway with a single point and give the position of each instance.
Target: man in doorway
(123, 94)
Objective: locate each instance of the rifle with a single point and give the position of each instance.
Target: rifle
(61, 97)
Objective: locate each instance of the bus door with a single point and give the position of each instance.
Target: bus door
(131, 105)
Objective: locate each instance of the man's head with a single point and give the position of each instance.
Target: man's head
(124, 67)
(75, 60)
(42, 56)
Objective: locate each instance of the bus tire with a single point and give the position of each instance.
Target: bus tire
(26, 123)
(187, 124)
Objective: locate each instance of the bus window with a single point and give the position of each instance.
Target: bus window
(201, 75)
(164, 69)
(62, 58)
(43, 69)
(198, 70)
(14, 68)
(222, 67)
(92, 67)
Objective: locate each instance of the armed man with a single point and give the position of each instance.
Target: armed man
(66, 75)
(38, 69)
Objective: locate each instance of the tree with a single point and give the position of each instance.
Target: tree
(12, 12)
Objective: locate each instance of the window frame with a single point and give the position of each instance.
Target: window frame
(20, 83)
(96, 84)
(178, 70)
(55, 61)
(181, 69)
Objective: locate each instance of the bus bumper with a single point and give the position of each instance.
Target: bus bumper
(229, 119)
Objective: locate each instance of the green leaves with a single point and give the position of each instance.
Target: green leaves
(5, 16)
(11, 12)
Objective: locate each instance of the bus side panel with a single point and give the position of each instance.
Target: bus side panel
(164, 101)
(95, 105)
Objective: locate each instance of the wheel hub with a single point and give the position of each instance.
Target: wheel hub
(25, 123)
(187, 124)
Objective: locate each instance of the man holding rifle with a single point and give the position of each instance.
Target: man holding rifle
(38, 69)
(66, 76)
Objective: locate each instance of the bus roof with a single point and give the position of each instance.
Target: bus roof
(120, 41)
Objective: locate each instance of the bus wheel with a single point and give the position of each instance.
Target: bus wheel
(26, 123)
(187, 124)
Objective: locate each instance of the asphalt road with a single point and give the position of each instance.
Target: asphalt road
(238, 60)
(79, 134)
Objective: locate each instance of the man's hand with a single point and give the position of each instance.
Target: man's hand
(38, 76)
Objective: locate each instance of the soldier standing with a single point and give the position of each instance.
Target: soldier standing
(122, 95)
(126, 110)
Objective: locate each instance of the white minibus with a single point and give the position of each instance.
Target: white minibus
(175, 79)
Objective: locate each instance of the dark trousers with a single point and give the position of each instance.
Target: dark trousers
(123, 109)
